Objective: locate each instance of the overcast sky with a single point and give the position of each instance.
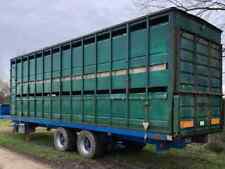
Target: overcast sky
(29, 25)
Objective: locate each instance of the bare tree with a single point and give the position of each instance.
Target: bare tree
(211, 10)
(200, 7)
(4, 91)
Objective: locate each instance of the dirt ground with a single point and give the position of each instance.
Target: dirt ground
(12, 160)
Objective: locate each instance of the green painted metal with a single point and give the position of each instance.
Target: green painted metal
(102, 79)
(56, 65)
(66, 62)
(200, 71)
(39, 68)
(47, 67)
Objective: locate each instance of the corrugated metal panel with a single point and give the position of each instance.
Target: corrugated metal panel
(199, 72)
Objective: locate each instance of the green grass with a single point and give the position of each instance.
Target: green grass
(40, 145)
(192, 157)
(5, 123)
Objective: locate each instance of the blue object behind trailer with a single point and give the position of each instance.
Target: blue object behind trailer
(4, 109)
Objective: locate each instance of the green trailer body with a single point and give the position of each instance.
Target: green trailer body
(163, 70)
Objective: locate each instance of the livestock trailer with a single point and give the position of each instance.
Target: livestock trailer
(156, 79)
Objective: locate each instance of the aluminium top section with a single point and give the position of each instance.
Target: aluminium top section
(133, 21)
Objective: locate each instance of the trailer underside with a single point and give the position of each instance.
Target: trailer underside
(161, 140)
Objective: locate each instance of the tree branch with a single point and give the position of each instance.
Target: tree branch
(205, 8)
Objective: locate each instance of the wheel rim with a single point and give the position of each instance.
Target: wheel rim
(61, 140)
(86, 145)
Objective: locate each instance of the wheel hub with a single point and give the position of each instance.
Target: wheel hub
(86, 145)
(61, 140)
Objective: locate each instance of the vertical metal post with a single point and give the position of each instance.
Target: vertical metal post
(43, 79)
(28, 86)
(35, 84)
(21, 82)
(146, 117)
(110, 85)
(195, 77)
(209, 72)
(96, 66)
(16, 87)
(128, 74)
(82, 76)
(51, 83)
(60, 82)
(172, 42)
(221, 82)
(71, 82)
(10, 100)
(209, 77)
(221, 67)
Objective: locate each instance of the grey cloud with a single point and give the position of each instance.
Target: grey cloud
(30, 25)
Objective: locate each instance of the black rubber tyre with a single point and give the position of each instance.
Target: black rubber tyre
(134, 146)
(64, 139)
(90, 145)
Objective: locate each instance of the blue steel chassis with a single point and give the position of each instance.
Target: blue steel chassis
(160, 140)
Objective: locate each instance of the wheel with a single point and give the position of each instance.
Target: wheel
(90, 145)
(64, 139)
(134, 146)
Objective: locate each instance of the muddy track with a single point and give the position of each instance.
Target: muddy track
(13, 160)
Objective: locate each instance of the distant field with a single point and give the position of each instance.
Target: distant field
(40, 146)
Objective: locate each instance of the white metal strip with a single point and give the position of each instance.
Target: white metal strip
(119, 72)
(89, 76)
(137, 70)
(103, 74)
(160, 67)
(152, 68)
